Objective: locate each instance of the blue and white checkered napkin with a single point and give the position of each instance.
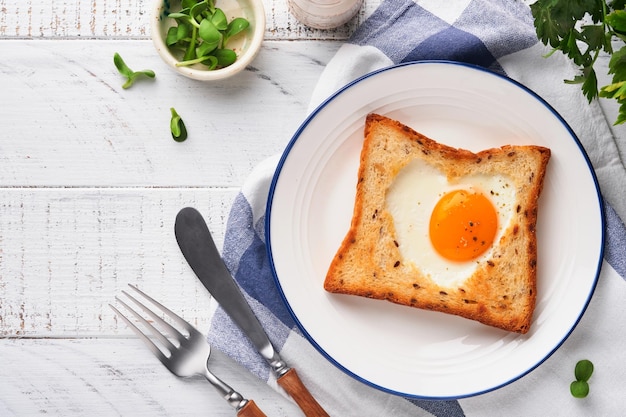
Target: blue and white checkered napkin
(499, 35)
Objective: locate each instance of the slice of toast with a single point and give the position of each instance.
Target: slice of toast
(501, 289)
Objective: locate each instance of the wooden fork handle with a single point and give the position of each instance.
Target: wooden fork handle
(250, 410)
(291, 383)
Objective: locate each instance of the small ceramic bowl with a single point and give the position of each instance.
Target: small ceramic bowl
(246, 44)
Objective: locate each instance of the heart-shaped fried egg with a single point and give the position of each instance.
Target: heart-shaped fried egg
(446, 228)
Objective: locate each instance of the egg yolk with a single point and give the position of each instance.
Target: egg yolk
(463, 225)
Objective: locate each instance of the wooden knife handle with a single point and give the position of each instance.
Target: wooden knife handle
(250, 410)
(291, 383)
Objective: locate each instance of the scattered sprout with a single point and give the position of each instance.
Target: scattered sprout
(579, 389)
(582, 372)
(177, 127)
(130, 75)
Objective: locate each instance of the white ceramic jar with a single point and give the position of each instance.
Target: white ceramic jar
(324, 14)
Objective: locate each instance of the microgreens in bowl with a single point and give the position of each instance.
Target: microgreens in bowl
(202, 31)
(208, 40)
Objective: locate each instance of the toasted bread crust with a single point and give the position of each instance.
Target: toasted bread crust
(501, 292)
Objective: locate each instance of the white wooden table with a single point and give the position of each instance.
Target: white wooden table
(91, 181)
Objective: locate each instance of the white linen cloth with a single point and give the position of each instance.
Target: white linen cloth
(498, 35)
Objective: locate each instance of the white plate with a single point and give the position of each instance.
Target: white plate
(408, 351)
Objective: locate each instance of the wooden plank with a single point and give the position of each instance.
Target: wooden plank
(66, 253)
(110, 19)
(80, 123)
(107, 377)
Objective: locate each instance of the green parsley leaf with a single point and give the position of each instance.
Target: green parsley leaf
(617, 65)
(595, 38)
(617, 20)
(582, 29)
(547, 29)
(621, 117)
(590, 85)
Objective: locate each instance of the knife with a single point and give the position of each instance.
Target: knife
(197, 245)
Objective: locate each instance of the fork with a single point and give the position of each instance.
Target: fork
(185, 353)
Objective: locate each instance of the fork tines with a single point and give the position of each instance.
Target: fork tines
(166, 344)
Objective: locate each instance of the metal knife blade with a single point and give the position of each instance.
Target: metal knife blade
(197, 245)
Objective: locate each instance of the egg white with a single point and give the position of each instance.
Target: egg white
(411, 198)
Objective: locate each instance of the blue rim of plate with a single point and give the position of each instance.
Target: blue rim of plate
(294, 139)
